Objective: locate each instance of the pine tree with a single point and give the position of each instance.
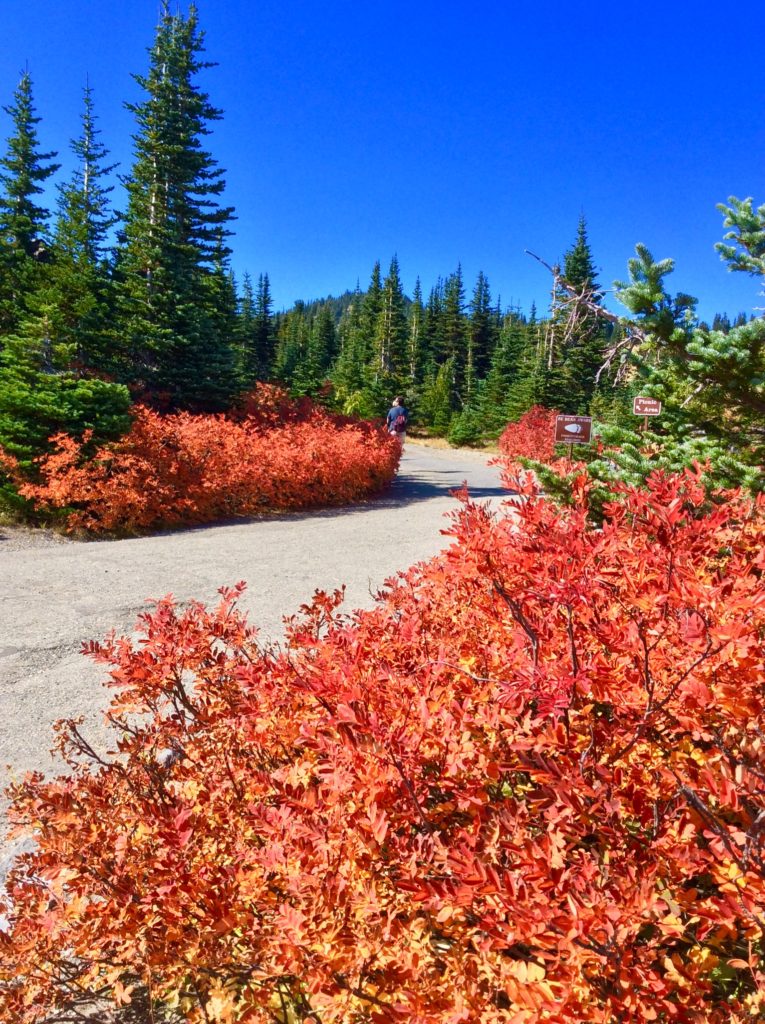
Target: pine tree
(248, 357)
(40, 393)
(508, 390)
(349, 371)
(710, 382)
(565, 376)
(264, 336)
(24, 245)
(79, 281)
(389, 351)
(371, 308)
(432, 331)
(482, 336)
(317, 354)
(437, 408)
(175, 231)
(292, 344)
(584, 352)
(414, 346)
(455, 335)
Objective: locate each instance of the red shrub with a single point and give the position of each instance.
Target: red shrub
(531, 437)
(182, 469)
(269, 405)
(528, 786)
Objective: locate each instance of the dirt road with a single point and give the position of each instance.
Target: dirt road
(56, 594)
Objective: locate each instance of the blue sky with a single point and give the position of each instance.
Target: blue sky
(443, 132)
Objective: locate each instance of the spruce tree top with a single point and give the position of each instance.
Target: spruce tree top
(23, 222)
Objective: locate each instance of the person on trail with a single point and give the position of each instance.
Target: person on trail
(397, 419)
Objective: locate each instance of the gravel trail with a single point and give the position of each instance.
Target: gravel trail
(56, 593)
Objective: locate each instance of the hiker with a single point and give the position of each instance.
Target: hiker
(397, 419)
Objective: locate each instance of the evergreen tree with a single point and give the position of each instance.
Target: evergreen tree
(437, 396)
(264, 335)
(40, 395)
(710, 382)
(454, 335)
(317, 353)
(248, 356)
(573, 344)
(255, 331)
(584, 352)
(85, 213)
(175, 230)
(389, 352)
(432, 331)
(292, 344)
(508, 390)
(371, 308)
(482, 336)
(23, 222)
(349, 371)
(78, 281)
(414, 347)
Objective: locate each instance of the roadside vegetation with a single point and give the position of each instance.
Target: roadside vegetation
(529, 785)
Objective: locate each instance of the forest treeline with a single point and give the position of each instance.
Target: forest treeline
(101, 308)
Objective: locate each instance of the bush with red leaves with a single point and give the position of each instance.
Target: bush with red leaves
(181, 469)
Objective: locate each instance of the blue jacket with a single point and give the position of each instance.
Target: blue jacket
(394, 413)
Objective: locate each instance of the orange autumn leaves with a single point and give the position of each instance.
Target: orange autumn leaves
(528, 786)
(531, 437)
(181, 469)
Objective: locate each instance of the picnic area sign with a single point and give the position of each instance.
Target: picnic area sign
(573, 429)
(646, 407)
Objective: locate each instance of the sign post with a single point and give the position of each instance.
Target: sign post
(573, 430)
(646, 407)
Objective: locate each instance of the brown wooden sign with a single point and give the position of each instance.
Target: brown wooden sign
(646, 406)
(573, 429)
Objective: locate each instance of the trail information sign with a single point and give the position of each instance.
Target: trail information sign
(646, 407)
(573, 429)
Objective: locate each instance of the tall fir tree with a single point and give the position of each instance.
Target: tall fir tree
(264, 335)
(40, 395)
(349, 372)
(292, 344)
(79, 279)
(247, 357)
(432, 330)
(24, 243)
(584, 353)
(371, 307)
(572, 353)
(414, 344)
(482, 336)
(318, 353)
(389, 343)
(454, 335)
(175, 231)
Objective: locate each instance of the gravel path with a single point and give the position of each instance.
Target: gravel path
(56, 593)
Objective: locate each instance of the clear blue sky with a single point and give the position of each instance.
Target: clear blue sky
(444, 132)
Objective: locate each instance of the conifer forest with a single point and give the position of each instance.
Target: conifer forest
(126, 295)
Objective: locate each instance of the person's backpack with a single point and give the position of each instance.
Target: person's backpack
(399, 424)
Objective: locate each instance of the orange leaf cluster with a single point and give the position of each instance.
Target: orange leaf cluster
(528, 786)
(173, 470)
(531, 437)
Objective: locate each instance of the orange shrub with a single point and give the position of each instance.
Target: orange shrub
(531, 437)
(528, 786)
(181, 469)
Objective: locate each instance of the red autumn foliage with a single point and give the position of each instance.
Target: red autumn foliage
(531, 437)
(528, 786)
(174, 470)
